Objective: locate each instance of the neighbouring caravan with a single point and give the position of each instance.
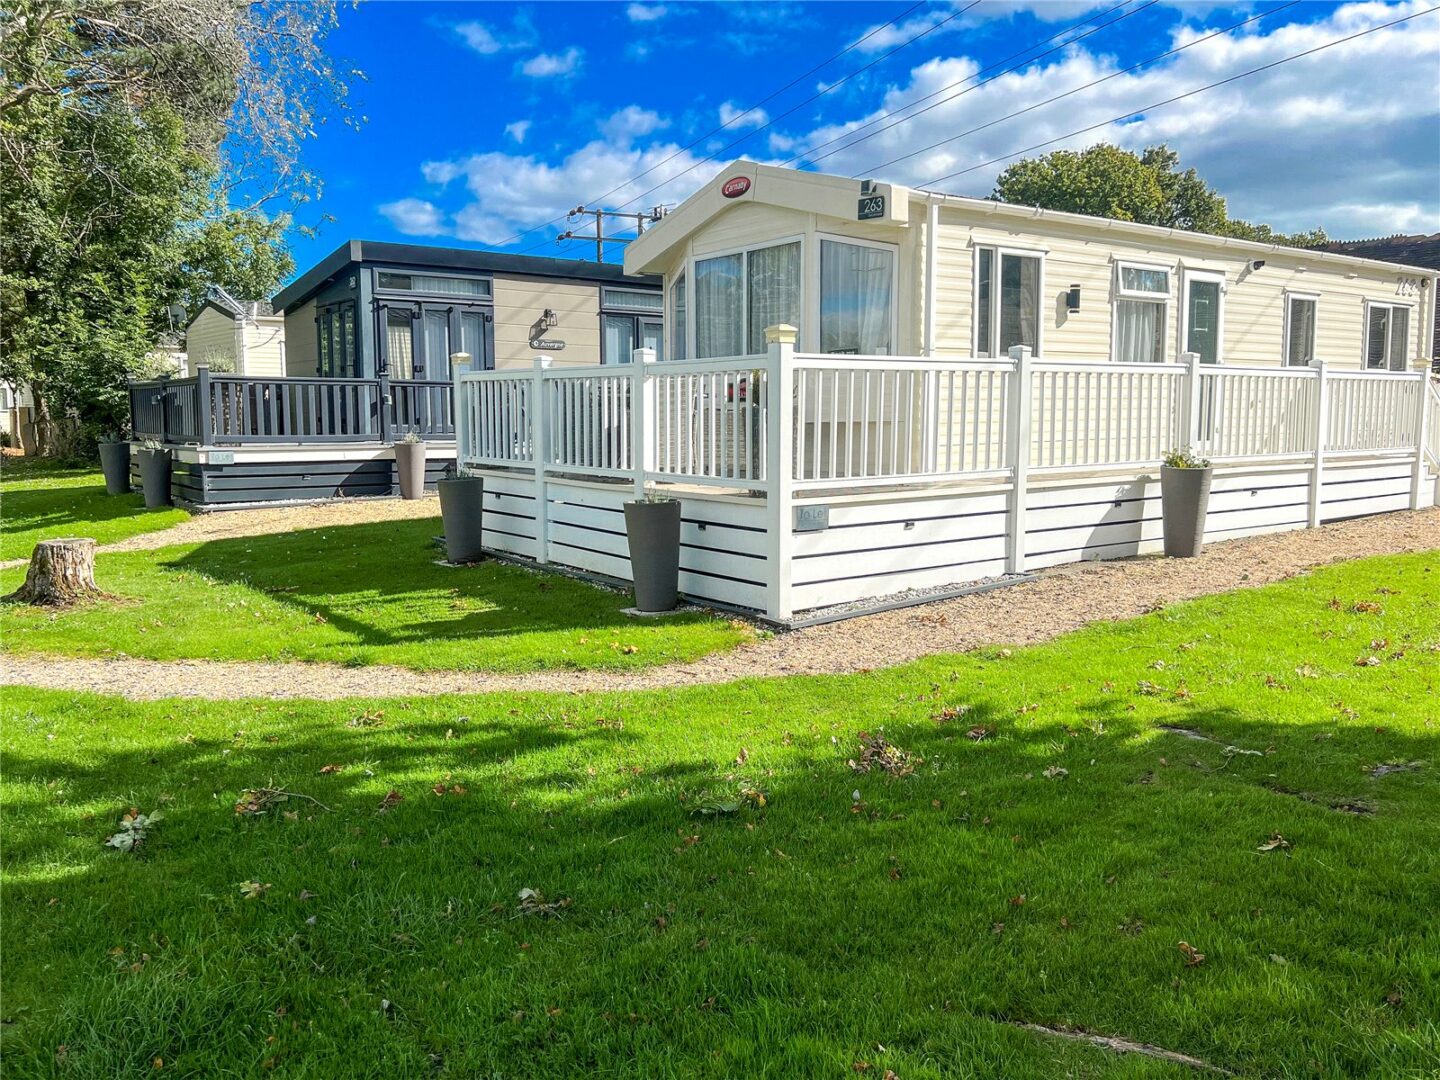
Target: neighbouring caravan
(867, 390)
(237, 337)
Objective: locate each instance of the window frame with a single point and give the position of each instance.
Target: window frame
(1371, 305)
(678, 327)
(692, 311)
(1120, 294)
(330, 319)
(813, 302)
(622, 308)
(1195, 273)
(1289, 297)
(1000, 251)
(389, 292)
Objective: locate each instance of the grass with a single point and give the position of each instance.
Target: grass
(43, 501)
(355, 594)
(911, 930)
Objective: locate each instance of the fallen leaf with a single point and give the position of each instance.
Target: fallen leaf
(1275, 843)
(253, 890)
(391, 800)
(1055, 772)
(1192, 957)
(330, 770)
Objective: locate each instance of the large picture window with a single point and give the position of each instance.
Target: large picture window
(1142, 301)
(1300, 312)
(857, 308)
(1387, 331)
(1007, 302)
(737, 296)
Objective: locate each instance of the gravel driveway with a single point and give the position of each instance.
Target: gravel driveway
(1063, 599)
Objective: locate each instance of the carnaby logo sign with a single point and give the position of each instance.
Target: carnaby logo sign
(735, 187)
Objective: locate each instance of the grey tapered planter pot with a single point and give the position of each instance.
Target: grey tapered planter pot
(653, 529)
(410, 469)
(1184, 495)
(115, 464)
(462, 511)
(155, 477)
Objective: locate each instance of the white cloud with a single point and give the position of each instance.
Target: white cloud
(644, 13)
(631, 123)
(734, 117)
(415, 217)
(518, 129)
(1348, 139)
(549, 65)
(488, 41)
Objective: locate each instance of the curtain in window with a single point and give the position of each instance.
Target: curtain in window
(437, 344)
(1301, 333)
(1377, 337)
(472, 338)
(774, 290)
(1399, 335)
(856, 301)
(399, 349)
(619, 343)
(1019, 302)
(652, 336)
(678, 343)
(720, 306)
(1139, 332)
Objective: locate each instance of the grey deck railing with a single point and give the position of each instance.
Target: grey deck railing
(231, 410)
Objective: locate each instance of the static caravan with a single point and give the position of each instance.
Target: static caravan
(405, 308)
(868, 391)
(307, 403)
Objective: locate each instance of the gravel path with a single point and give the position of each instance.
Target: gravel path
(1063, 599)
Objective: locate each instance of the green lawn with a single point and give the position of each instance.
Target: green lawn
(911, 930)
(355, 594)
(42, 501)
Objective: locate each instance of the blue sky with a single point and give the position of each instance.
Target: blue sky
(487, 120)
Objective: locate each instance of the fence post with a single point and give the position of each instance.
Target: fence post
(1422, 385)
(383, 403)
(164, 408)
(1322, 425)
(459, 411)
(205, 421)
(1190, 418)
(779, 463)
(539, 452)
(642, 418)
(1017, 427)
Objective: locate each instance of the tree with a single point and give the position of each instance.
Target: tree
(148, 148)
(1148, 188)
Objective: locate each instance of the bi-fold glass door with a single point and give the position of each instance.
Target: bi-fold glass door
(416, 339)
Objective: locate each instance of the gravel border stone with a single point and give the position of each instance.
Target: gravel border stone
(1060, 600)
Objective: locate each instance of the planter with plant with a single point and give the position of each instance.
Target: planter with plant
(652, 526)
(461, 509)
(154, 462)
(115, 463)
(410, 466)
(1184, 495)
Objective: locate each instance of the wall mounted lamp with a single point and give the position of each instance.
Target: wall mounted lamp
(1072, 298)
(1257, 264)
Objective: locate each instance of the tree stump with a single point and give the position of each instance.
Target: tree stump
(62, 572)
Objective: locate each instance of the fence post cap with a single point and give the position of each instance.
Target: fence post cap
(1021, 352)
(643, 356)
(458, 358)
(542, 362)
(781, 334)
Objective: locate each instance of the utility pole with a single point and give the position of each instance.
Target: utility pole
(640, 219)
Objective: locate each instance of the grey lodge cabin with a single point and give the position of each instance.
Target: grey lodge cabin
(402, 309)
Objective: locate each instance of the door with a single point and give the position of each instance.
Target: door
(1203, 317)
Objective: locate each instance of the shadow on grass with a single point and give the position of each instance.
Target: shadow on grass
(380, 583)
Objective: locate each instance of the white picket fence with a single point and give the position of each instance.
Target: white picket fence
(875, 423)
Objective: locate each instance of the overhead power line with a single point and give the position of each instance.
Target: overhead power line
(1068, 93)
(728, 123)
(960, 82)
(1182, 97)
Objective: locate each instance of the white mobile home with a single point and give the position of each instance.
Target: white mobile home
(870, 389)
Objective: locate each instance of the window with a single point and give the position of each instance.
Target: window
(399, 343)
(1387, 330)
(856, 298)
(1142, 301)
(738, 296)
(1300, 310)
(336, 356)
(435, 284)
(1204, 315)
(1007, 301)
(633, 299)
(678, 342)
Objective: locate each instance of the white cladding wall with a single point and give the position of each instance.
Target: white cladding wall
(1253, 305)
(519, 302)
(265, 346)
(302, 345)
(210, 337)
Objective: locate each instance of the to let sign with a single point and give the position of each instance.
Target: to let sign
(871, 207)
